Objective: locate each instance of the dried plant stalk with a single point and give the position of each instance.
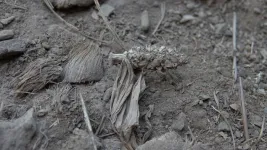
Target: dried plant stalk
(37, 75)
(153, 57)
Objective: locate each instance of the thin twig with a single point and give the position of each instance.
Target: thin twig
(105, 135)
(262, 129)
(234, 48)
(162, 10)
(244, 112)
(100, 126)
(118, 40)
(252, 47)
(51, 8)
(1, 108)
(87, 121)
(231, 130)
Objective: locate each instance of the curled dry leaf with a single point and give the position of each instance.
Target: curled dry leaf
(124, 106)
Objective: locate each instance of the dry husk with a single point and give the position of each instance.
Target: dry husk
(37, 75)
(124, 106)
(85, 64)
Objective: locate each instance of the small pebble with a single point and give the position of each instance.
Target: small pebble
(6, 34)
(46, 45)
(107, 9)
(107, 94)
(8, 20)
(179, 123)
(144, 21)
(257, 10)
(187, 18)
(42, 112)
(223, 126)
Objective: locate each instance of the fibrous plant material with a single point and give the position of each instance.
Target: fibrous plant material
(153, 57)
(124, 106)
(85, 63)
(37, 75)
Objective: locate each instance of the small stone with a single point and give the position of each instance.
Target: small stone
(144, 21)
(256, 120)
(200, 102)
(106, 9)
(223, 126)
(168, 141)
(238, 134)
(8, 20)
(261, 91)
(107, 94)
(187, 18)
(11, 48)
(257, 10)
(95, 15)
(179, 123)
(234, 107)
(204, 97)
(6, 34)
(221, 28)
(46, 45)
(225, 114)
(42, 112)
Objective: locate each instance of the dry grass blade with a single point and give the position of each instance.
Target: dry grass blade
(231, 130)
(234, 48)
(87, 121)
(118, 40)
(37, 75)
(162, 10)
(216, 99)
(85, 63)
(244, 112)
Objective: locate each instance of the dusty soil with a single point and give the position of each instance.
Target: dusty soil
(189, 88)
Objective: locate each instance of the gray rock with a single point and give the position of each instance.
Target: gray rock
(179, 123)
(107, 9)
(46, 45)
(107, 94)
(223, 126)
(144, 21)
(257, 10)
(112, 144)
(17, 134)
(6, 34)
(256, 120)
(81, 140)
(220, 28)
(187, 18)
(8, 20)
(204, 97)
(168, 141)
(10, 48)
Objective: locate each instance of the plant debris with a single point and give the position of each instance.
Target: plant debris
(124, 106)
(37, 75)
(85, 64)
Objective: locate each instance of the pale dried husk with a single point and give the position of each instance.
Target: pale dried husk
(85, 64)
(37, 75)
(124, 106)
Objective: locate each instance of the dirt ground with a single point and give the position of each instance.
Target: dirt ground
(206, 39)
